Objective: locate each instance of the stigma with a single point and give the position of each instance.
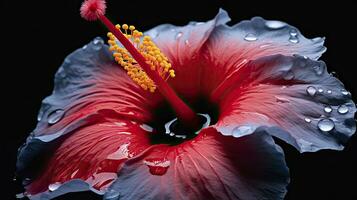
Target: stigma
(146, 47)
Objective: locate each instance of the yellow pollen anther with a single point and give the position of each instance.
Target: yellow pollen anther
(125, 26)
(154, 57)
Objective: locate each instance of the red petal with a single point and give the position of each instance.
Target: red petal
(94, 154)
(182, 45)
(89, 89)
(229, 48)
(211, 166)
(274, 94)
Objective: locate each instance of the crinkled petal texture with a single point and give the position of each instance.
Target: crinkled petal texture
(211, 166)
(91, 123)
(250, 70)
(293, 98)
(92, 132)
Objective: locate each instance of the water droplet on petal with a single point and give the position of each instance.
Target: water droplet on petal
(172, 134)
(344, 92)
(187, 42)
(318, 69)
(54, 186)
(328, 109)
(178, 35)
(67, 61)
(84, 47)
(325, 125)
(320, 90)
(55, 116)
(111, 194)
(146, 127)
(289, 76)
(20, 195)
(311, 90)
(342, 109)
(121, 153)
(281, 99)
(250, 37)
(329, 91)
(293, 39)
(293, 32)
(157, 167)
(308, 120)
(98, 43)
(275, 24)
(40, 115)
(334, 74)
(243, 130)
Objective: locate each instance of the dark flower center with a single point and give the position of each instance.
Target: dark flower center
(168, 129)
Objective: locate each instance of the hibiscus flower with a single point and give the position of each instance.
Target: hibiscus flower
(102, 131)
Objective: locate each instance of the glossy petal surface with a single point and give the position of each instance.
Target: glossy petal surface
(211, 166)
(291, 97)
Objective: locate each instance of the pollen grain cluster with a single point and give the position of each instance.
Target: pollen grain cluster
(154, 57)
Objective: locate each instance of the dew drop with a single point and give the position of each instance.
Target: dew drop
(325, 125)
(172, 134)
(67, 62)
(98, 43)
(178, 35)
(344, 92)
(342, 109)
(289, 76)
(293, 32)
(281, 99)
(311, 90)
(84, 47)
(318, 69)
(320, 90)
(308, 120)
(329, 92)
(55, 116)
(243, 130)
(187, 42)
(293, 39)
(275, 24)
(20, 195)
(250, 37)
(54, 186)
(328, 109)
(146, 127)
(40, 115)
(112, 195)
(157, 167)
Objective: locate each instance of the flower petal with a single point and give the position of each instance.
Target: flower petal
(89, 88)
(182, 46)
(294, 98)
(228, 48)
(93, 155)
(211, 166)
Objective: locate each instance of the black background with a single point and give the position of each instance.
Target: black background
(38, 36)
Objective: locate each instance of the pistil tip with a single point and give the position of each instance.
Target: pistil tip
(92, 9)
